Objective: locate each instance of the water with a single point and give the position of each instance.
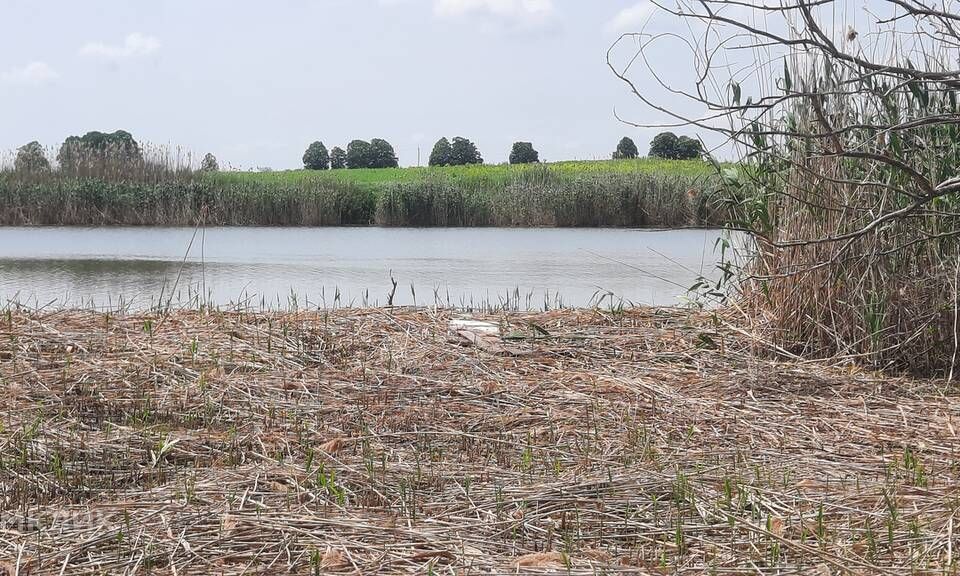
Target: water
(279, 267)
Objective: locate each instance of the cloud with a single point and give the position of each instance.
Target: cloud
(632, 18)
(514, 9)
(33, 74)
(134, 45)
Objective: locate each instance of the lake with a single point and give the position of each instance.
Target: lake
(283, 267)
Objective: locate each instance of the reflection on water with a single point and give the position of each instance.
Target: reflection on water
(325, 266)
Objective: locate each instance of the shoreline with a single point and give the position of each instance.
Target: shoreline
(399, 440)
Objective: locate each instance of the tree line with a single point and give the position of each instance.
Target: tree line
(98, 149)
(119, 147)
(666, 145)
(93, 150)
(379, 153)
(462, 152)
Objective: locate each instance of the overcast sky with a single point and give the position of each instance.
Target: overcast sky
(255, 82)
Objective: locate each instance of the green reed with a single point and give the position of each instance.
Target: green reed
(615, 194)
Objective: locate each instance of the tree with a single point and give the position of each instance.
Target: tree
(523, 153)
(122, 143)
(464, 152)
(667, 145)
(118, 145)
(688, 148)
(358, 154)
(316, 157)
(442, 153)
(664, 145)
(209, 163)
(98, 148)
(626, 150)
(381, 155)
(338, 158)
(71, 153)
(30, 158)
(377, 153)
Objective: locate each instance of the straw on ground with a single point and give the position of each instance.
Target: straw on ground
(379, 441)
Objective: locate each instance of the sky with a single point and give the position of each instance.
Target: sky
(255, 82)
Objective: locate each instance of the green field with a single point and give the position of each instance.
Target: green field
(574, 167)
(482, 172)
(616, 193)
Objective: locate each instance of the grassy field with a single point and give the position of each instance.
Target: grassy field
(483, 172)
(395, 441)
(622, 193)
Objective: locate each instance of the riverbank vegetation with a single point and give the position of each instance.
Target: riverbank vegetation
(161, 190)
(397, 441)
(110, 179)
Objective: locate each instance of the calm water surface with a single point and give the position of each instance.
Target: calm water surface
(276, 267)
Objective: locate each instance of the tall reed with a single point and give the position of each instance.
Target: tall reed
(542, 196)
(485, 196)
(846, 266)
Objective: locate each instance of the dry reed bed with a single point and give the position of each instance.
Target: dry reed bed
(376, 441)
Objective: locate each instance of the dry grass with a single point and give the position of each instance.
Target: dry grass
(851, 264)
(377, 441)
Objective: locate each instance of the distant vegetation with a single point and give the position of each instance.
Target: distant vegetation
(97, 149)
(626, 150)
(338, 158)
(524, 153)
(668, 145)
(30, 159)
(209, 164)
(316, 157)
(376, 153)
(462, 152)
(442, 154)
(622, 193)
(108, 179)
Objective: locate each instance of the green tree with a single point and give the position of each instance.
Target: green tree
(316, 157)
(442, 153)
(358, 154)
(667, 145)
(70, 154)
(523, 153)
(119, 145)
(338, 158)
(688, 148)
(464, 152)
(98, 148)
(626, 149)
(381, 155)
(664, 145)
(30, 158)
(209, 163)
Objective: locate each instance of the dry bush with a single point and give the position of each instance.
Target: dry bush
(844, 119)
